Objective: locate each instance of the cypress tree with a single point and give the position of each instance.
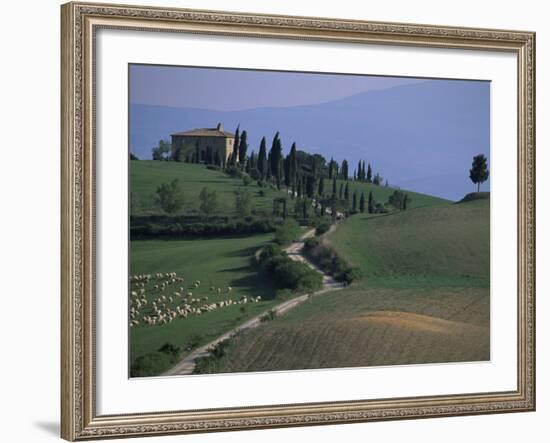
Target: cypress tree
(276, 155)
(237, 141)
(362, 203)
(346, 193)
(369, 174)
(371, 203)
(293, 168)
(331, 168)
(321, 189)
(262, 159)
(310, 186)
(253, 161)
(286, 170)
(354, 201)
(334, 185)
(243, 146)
(344, 169)
(341, 193)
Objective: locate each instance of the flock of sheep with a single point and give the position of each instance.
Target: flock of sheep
(170, 304)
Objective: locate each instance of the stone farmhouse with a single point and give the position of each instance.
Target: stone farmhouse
(213, 143)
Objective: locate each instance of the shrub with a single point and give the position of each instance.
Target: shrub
(235, 172)
(153, 363)
(287, 273)
(322, 227)
(311, 243)
(287, 232)
(246, 180)
(169, 349)
(218, 351)
(327, 259)
(268, 316)
(243, 202)
(269, 251)
(261, 193)
(255, 174)
(173, 227)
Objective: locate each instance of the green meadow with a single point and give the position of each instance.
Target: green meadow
(423, 297)
(444, 244)
(216, 263)
(147, 175)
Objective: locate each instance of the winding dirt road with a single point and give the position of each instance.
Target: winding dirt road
(294, 251)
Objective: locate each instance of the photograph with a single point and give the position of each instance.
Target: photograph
(289, 220)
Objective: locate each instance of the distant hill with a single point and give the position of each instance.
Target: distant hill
(420, 136)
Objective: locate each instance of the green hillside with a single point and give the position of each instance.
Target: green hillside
(446, 244)
(423, 297)
(147, 175)
(382, 193)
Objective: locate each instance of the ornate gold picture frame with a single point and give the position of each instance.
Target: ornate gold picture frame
(80, 22)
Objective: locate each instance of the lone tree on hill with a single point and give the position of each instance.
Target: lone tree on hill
(170, 196)
(479, 172)
(354, 201)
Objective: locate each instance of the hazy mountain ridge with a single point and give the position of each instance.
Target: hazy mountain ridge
(424, 134)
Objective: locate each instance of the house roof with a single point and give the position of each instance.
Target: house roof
(205, 132)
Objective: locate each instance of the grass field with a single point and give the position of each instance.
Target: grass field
(357, 327)
(219, 263)
(423, 298)
(147, 175)
(439, 245)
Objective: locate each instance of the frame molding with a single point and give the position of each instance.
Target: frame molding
(79, 21)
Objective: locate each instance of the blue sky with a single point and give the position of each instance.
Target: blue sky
(236, 90)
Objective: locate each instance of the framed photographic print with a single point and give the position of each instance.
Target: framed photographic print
(281, 221)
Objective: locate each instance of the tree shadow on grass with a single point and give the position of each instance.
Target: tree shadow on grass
(245, 252)
(255, 285)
